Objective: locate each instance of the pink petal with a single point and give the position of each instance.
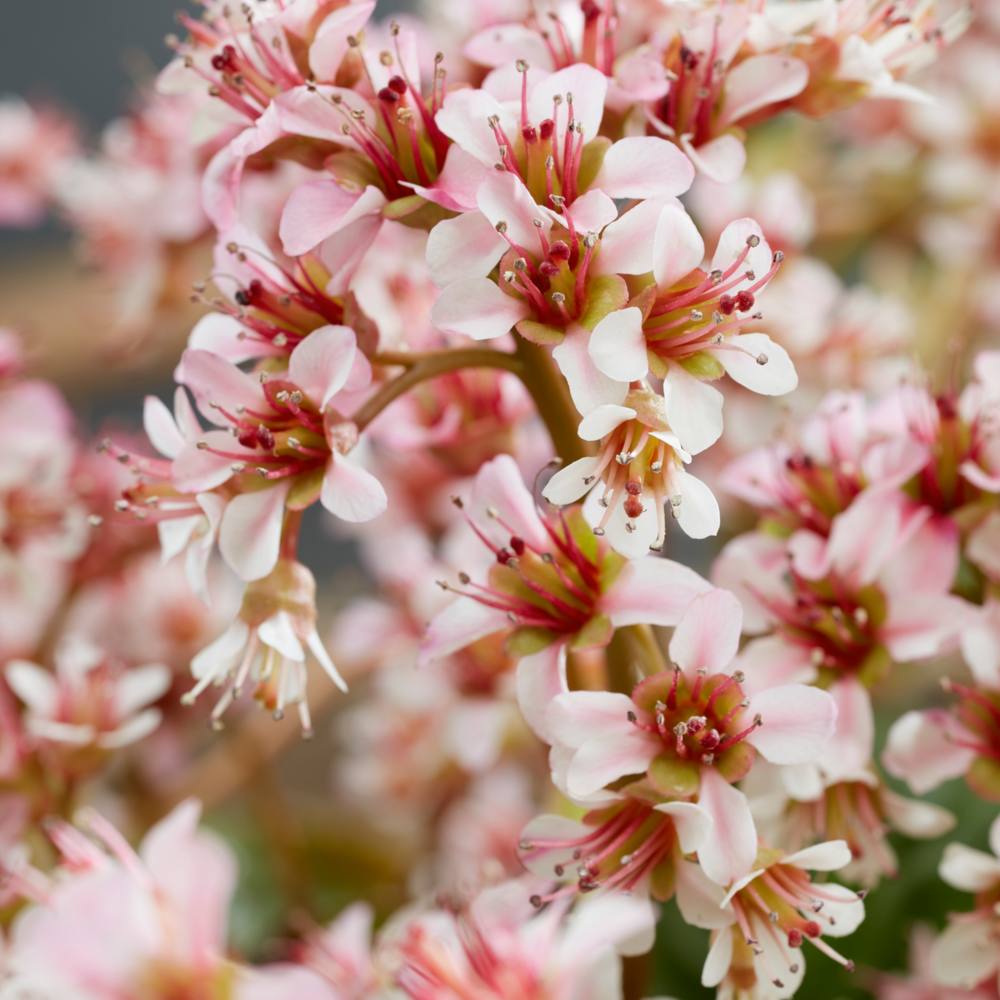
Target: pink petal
(464, 117)
(503, 198)
(732, 243)
(830, 856)
(216, 382)
(691, 822)
(575, 718)
(965, 954)
(708, 634)
(540, 678)
(850, 749)
(351, 492)
(721, 160)
(759, 81)
(694, 409)
(34, 685)
(604, 759)
(698, 514)
(654, 591)
(922, 625)
(618, 345)
(730, 852)
(160, 427)
(321, 363)
(330, 43)
(467, 246)
(250, 533)
(588, 386)
(920, 750)
(477, 308)
(500, 44)
(700, 899)
(759, 364)
(197, 469)
(627, 245)
(644, 167)
(771, 660)
(499, 487)
(461, 623)
(588, 85)
(678, 247)
(798, 721)
(317, 210)
(969, 870)
(592, 212)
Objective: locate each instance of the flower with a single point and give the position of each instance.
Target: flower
(289, 450)
(553, 585)
(638, 470)
(691, 732)
(174, 893)
(759, 925)
(264, 645)
(90, 702)
(967, 953)
(497, 945)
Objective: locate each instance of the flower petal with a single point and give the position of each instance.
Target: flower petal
(708, 634)
(250, 532)
(729, 853)
(618, 345)
(351, 492)
(467, 246)
(653, 591)
(798, 721)
(758, 363)
(322, 361)
(644, 167)
(477, 308)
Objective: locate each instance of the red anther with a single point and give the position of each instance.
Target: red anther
(504, 556)
(744, 301)
(255, 289)
(812, 928)
(794, 938)
(265, 438)
(388, 95)
(710, 740)
(546, 127)
(633, 487)
(559, 250)
(248, 437)
(727, 304)
(633, 507)
(591, 11)
(398, 84)
(529, 133)
(517, 544)
(946, 407)
(549, 269)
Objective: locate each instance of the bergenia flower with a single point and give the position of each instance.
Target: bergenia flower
(967, 953)
(266, 647)
(926, 747)
(285, 445)
(553, 586)
(844, 608)
(718, 84)
(691, 732)
(760, 925)
(498, 939)
(637, 472)
(175, 892)
(90, 702)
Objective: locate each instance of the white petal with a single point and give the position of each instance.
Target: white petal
(694, 409)
(250, 533)
(618, 345)
(351, 492)
(603, 420)
(570, 483)
(34, 685)
(760, 364)
(467, 246)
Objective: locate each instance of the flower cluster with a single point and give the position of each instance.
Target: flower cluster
(503, 298)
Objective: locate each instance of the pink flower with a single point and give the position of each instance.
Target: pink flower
(115, 923)
(90, 701)
(553, 586)
(844, 608)
(692, 732)
(638, 470)
(718, 83)
(34, 144)
(266, 646)
(967, 953)
(285, 446)
(759, 925)
(496, 944)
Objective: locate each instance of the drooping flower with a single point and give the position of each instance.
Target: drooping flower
(692, 732)
(967, 953)
(760, 925)
(266, 647)
(554, 585)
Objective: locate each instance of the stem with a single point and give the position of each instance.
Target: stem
(421, 367)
